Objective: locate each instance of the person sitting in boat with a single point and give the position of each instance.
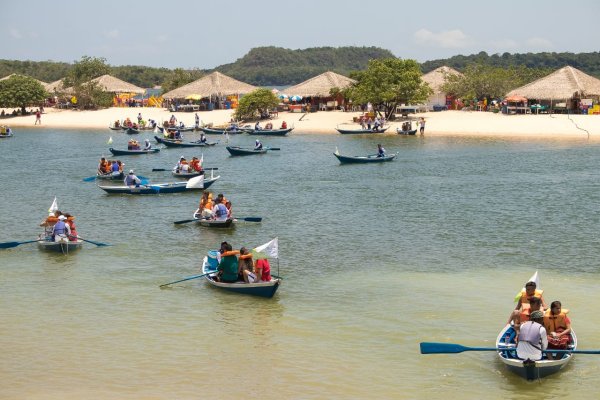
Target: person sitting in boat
(258, 145)
(172, 120)
(219, 211)
(101, 166)
(532, 338)
(257, 126)
(51, 219)
(246, 267)
(229, 210)
(519, 319)
(284, 125)
(202, 138)
(205, 206)
(177, 135)
(380, 151)
(182, 165)
(147, 146)
(114, 168)
(71, 223)
(376, 124)
(228, 266)
(117, 124)
(120, 164)
(558, 327)
(61, 230)
(262, 269)
(523, 307)
(195, 165)
(269, 126)
(131, 180)
(128, 123)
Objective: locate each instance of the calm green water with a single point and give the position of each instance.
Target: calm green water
(375, 259)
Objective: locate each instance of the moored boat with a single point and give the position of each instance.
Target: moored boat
(269, 132)
(5, 132)
(409, 132)
(221, 131)
(245, 151)
(177, 128)
(262, 289)
(362, 131)
(372, 158)
(117, 152)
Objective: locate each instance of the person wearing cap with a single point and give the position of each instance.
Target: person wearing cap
(258, 145)
(132, 180)
(148, 145)
(61, 230)
(533, 338)
(182, 165)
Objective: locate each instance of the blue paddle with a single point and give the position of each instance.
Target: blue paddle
(450, 348)
(185, 279)
(8, 245)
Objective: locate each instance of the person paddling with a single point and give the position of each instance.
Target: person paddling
(258, 145)
(131, 180)
(380, 151)
(61, 230)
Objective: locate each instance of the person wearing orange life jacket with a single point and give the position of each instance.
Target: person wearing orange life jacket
(205, 206)
(71, 222)
(558, 327)
(195, 164)
(523, 303)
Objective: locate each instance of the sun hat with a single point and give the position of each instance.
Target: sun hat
(61, 217)
(131, 171)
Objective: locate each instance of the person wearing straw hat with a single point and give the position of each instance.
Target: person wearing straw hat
(533, 338)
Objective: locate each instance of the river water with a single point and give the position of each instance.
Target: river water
(375, 259)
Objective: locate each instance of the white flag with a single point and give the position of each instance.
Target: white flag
(109, 140)
(53, 207)
(270, 249)
(337, 151)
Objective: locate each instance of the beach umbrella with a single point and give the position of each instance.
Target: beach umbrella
(296, 98)
(283, 96)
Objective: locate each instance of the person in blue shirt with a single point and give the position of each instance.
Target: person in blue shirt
(258, 145)
(132, 180)
(61, 230)
(380, 151)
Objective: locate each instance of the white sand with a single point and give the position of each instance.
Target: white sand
(457, 123)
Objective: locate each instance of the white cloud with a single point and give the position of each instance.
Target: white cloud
(162, 38)
(452, 39)
(15, 33)
(539, 43)
(113, 34)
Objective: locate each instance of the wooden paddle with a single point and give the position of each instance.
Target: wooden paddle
(272, 148)
(450, 348)
(185, 221)
(248, 219)
(99, 244)
(8, 245)
(185, 279)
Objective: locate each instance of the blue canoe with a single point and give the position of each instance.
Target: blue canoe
(262, 289)
(176, 187)
(373, 158)
(117, 152)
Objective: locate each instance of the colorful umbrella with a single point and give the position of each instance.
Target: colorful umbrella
(296, 98)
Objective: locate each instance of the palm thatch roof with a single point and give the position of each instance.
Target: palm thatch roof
(214, 84)
(436, 78)
(116, 85)
(320, 85)
(566, 83)
(55, 86)
(11, 75)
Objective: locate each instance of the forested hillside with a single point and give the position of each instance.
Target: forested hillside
(586, 62)
(276, 66)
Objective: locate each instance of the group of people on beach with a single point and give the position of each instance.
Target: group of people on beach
(106, 166)
(237, 265)
(366, 122)
(213, 209)
(59, 227)
(537, 326)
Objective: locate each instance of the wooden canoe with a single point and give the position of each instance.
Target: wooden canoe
(244, 151)
(362, 131)
(215, 131)
(156, 188)
(59, 247)
(176, 128)
(112, 176)
(179, 143)
(132, 152)
(261, 289)
(269, 132)
(410, 132)
(372, 158)
(9, 133)
(132, 131)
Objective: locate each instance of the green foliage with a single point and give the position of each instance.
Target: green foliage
(388, 83)
(586, 62)
(180, 77)
(255, 103)
(85, 70)
(21, 91)
(276, 66)
(479, 81)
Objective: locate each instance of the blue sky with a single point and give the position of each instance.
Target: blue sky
(199, 34)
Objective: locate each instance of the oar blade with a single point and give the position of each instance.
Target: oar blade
(158, 169)
(8, 245)
(441, 348)
(89, 178)
(251, 219)
(184, 221)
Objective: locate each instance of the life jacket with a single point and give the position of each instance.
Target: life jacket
(525, 299)
(553, 322)
(221, 210)
(60, 228)
(209, 204)
(73, 237)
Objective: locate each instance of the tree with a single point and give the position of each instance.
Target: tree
(88, 94)
(256, 102)
(21, 91)
(389, 82)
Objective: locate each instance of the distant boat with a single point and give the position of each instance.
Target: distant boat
(6, 132)
(59, 247)
(269, 132)
(362, 131)
(131, 152)
(372, 158)
(245, 151)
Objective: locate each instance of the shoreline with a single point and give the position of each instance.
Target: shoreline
(443, 123)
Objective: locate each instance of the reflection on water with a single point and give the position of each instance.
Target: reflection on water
(375, 258)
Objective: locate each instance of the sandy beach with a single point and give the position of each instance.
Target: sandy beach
(454, 123)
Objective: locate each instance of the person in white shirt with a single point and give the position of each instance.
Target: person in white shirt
(533, 338)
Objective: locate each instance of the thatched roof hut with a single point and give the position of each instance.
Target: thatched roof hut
(214, 84)
(566, 83)
(11, 75)
(115, 85)
(55, 86)
(320, 85)
(436, 78)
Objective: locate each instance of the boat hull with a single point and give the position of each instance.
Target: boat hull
(240, 151)
(110, 176)
(59, 247)
(532, 369)
(268, 132)
(363, 159)
(401, 132)
(178, 143)
(117, 152)
(158, 188)
(361, 131)
(211, 131)
(132, 131)
(261, 289)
